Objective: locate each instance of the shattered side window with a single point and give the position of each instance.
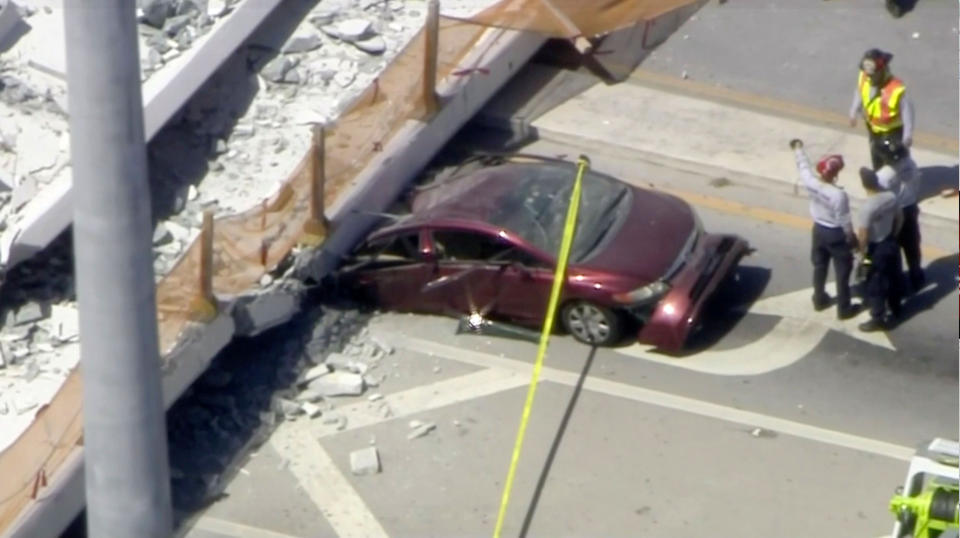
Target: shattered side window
(467, 246)
(399, 247)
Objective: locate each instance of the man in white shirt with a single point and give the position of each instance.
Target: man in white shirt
(833, 236)
(901, 176)
(878, 223)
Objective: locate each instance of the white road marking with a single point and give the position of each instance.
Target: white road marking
(657, 398)
(323, 482)
(798, 332)
(416, 400)
(796, 304)
(234, 529)
(788, 341)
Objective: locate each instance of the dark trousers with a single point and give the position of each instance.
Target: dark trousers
(909, 240)
(884, 286)
(831, 244)
(876, 140)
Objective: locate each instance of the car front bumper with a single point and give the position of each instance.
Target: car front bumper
(675, 315)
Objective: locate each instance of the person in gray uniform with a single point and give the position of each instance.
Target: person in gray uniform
(833, 237)
(901, 176)
(878, 223)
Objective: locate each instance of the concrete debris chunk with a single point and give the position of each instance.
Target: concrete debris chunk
(421, 430)
(315, 372)
(311, 396)
(155, 12)
(344, 78)
(161, 235)
(277, 68)
(175, 24)
(243, 130)
(374, 397)
(340, 361)
(29, 313)
(65, 320)
(303, 42)
(384, 346)
(216, 8)
(374, 45)
(338, 384)
(293, 76)
(354, 29)
(25, 191)
(365, 461)
(311, 410)
(288, 407)
(179, 232)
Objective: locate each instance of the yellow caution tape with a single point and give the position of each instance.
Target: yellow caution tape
(558, 278)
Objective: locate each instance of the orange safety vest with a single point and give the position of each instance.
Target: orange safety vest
(883, 111)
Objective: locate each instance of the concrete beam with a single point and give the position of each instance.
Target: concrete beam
(500, 52)
(48, 214)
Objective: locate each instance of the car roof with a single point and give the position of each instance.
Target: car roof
(465, 201)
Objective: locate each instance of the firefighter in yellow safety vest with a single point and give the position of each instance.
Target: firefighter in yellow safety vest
(882, 101)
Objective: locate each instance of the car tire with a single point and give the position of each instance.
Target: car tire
(591, 324)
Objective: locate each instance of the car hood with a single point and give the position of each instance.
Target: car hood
(649, 238)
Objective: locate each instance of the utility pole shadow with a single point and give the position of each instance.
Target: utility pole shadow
(571, 405)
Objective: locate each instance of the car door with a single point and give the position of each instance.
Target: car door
(391, 272)
(523, 287)
(466, 275)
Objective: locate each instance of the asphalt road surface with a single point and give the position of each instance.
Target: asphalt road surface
(780, 421)
(807, 52)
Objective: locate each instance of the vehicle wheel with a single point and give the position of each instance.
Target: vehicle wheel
(591, 324)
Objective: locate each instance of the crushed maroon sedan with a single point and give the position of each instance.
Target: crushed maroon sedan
(485, 244)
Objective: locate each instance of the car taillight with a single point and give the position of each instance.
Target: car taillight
(647, 294)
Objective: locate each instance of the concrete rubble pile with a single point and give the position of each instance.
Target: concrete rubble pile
(169, 27)
(246, 130)
(34, 132)
(246, 152)
(39, 342)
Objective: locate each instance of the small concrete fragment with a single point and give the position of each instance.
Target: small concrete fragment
(65, 320)
(384, 346)
(256, 314)
(353, 29)
(338, 384)
(277, 69)
(161, 235)
(374, 45)
(303, 42)
(365, 461)
(340, 361)
(216, 8)
(311, 410)
(174, 25)
(421, 430)
(315, 372)
(29, 313)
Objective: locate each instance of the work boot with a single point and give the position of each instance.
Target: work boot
(873, 325)
(849, 312)
(821, 302)
(918, 280)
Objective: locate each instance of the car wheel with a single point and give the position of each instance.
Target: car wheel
(591, 324)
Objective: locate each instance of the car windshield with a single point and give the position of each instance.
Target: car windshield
(536, 207)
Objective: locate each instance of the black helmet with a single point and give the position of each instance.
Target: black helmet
(880, 58)
(891, 151)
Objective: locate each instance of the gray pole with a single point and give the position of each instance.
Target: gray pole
(126, 467)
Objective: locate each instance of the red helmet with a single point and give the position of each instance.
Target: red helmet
(830, 166)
